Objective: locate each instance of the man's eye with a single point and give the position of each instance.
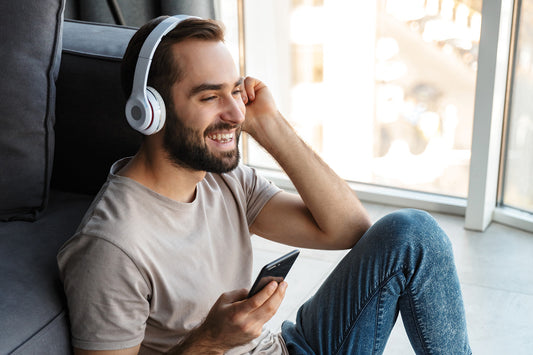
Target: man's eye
(209, 98)
(237, 91)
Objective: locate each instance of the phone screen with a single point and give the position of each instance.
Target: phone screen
(274, 271)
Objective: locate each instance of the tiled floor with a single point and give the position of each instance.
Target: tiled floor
(495, 269)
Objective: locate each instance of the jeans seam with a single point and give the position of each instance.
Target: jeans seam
(419, 331)
(374, 346)
(365, 304)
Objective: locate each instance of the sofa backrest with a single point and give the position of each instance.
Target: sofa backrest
(136, 12)
(91, 130)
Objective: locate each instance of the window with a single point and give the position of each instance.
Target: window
(405, 98)
(518, 163)
(383, 91)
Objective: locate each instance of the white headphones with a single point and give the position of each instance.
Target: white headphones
(145, 108)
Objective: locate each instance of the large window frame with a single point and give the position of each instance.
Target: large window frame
(482, 206)
(496, 49)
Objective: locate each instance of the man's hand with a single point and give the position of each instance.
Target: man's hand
(234, 320)
(260, 106)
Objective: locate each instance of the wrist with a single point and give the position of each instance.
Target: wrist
(272, 132)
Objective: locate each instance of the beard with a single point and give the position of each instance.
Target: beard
(186, 147)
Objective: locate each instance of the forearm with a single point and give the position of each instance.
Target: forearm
(334, 206)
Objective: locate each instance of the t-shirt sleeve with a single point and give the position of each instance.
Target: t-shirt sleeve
(258, 191)
(108, 298)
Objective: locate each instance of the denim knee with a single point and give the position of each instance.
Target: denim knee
(413, 228)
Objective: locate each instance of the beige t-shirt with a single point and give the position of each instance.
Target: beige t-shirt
(143, 268)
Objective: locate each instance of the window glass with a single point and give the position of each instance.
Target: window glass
(227, 13)
(518, 165)
(383, 91)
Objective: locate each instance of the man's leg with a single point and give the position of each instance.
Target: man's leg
(403, 263)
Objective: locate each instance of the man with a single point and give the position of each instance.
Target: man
(162, 261)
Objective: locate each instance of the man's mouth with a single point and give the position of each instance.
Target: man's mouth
(221, 137)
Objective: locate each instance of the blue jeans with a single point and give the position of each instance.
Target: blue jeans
(404, 263)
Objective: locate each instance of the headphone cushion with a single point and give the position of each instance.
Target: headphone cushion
(157, 105)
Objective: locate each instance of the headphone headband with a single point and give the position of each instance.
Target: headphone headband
(141, 111)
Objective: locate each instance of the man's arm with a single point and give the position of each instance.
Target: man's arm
(327, 214)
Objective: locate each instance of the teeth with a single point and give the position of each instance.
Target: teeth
(222, 137)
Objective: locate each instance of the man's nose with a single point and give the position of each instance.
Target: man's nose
(233, 111)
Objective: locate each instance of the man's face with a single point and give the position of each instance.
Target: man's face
(204, 119)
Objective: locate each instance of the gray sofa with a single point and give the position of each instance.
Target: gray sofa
(62, 127)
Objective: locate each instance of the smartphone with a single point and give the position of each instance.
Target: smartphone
(274, 271)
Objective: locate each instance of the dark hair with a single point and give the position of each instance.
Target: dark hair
(165, 70)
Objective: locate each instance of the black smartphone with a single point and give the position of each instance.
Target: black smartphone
(274, 271)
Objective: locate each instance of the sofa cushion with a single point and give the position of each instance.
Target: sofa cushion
(91, 128)
(30, 47)
(33, 317)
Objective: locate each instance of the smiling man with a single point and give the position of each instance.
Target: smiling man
(162, 261)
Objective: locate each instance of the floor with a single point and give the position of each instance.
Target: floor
(495, 269)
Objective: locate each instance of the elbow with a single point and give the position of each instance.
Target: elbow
(366, 223)
(362, 225)
(349, 237)
(342, 232)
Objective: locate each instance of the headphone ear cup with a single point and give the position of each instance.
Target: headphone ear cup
(159, 112)
(145, 108)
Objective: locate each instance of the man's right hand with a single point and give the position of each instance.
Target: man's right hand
(234, 320)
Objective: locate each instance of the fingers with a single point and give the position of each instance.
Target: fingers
(234, 296)
(265, 303)
(251, 87)
(260, 308)
(262, 296)
(249, 90)
(272, 293)
(234, 319)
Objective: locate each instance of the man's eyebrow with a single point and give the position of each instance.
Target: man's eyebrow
(209, 87)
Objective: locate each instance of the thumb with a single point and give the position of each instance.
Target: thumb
(233, 296)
